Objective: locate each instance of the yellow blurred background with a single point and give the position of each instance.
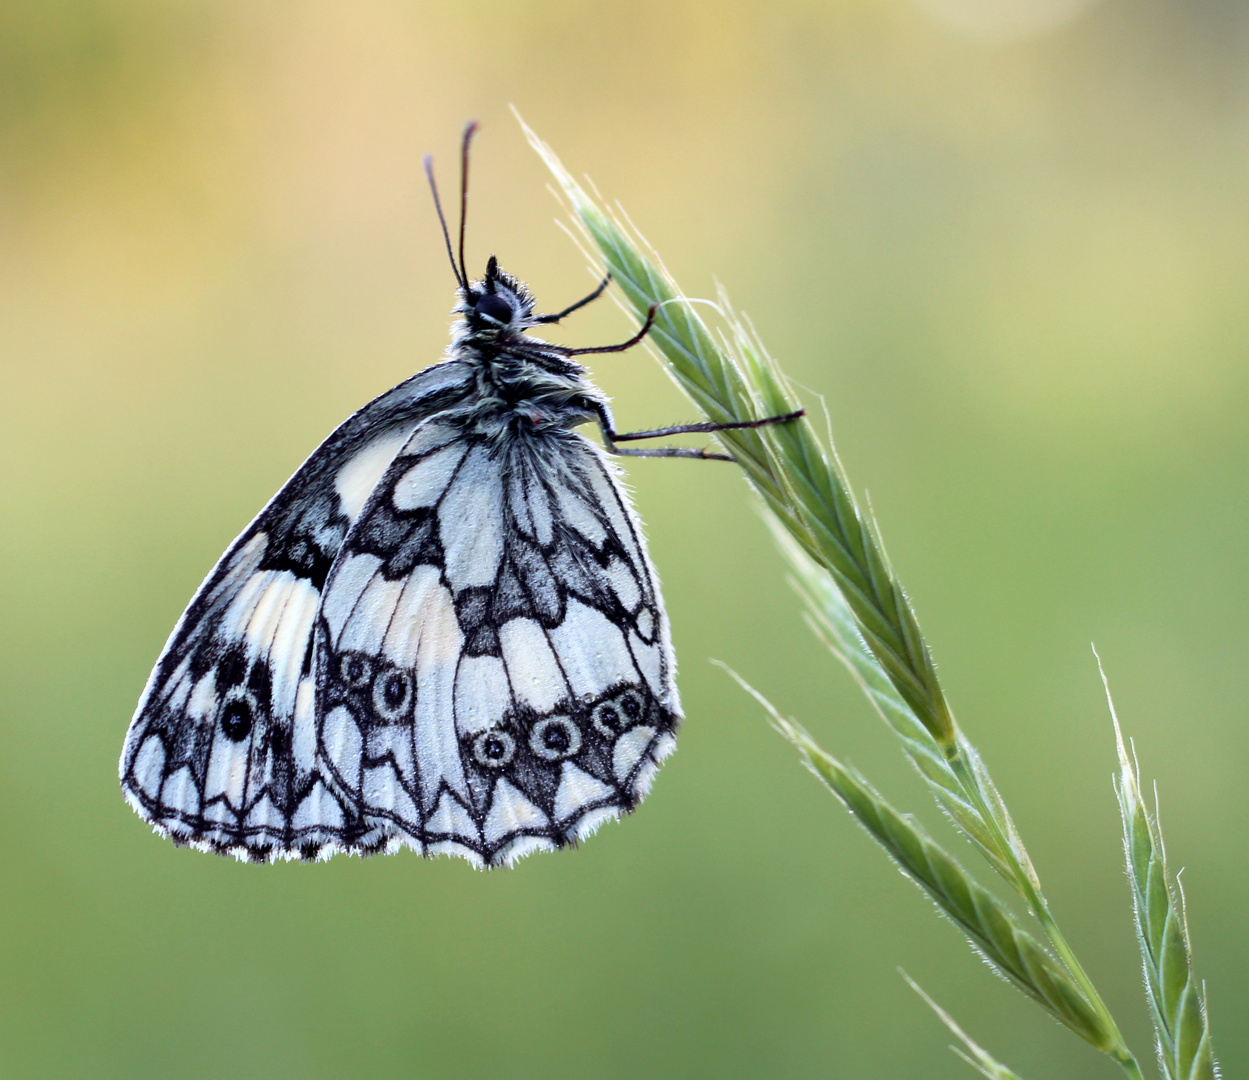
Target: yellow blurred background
(1007, 240)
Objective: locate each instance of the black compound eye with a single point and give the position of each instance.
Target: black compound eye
(494, 307)
(392, 693)
(356, 670)
(493, 749)
(555, 738)
(236, 719)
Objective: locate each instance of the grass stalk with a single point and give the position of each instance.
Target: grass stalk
(960, 784)
(989, 925)
(863, 608)
(806, 489)
(833, 622)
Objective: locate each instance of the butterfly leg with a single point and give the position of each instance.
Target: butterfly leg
(608, 428)
(611, 437)
(646, 328)
(579, 304)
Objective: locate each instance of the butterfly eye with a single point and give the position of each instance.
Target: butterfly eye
(236, 719)
(555, 738)
(494, 307)
(493, 749)
(392, 693)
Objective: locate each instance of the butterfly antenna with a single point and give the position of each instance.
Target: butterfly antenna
(446, 236)
(470, 129)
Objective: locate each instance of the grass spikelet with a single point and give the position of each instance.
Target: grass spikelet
(803, 486)
(806, 488)
(858, 606)
(1176, 999)
(832, 621)
(989, 925)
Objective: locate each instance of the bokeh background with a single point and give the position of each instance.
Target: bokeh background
(1007, 241)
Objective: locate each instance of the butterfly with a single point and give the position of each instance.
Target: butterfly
(443, 633)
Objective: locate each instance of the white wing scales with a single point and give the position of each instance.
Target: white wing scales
(443, 633)
(428, 639)
(494, 675)
(222, 752)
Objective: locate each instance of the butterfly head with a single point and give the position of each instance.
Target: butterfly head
(497, 303)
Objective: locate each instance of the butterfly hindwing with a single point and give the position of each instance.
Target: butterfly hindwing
(222, 750)
(492, 657)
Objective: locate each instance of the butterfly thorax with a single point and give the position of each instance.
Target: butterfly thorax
(524, 385)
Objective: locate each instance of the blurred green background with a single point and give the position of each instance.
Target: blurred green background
(1008, 241)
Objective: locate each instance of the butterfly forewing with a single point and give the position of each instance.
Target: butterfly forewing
(492, 661)
(222, 749)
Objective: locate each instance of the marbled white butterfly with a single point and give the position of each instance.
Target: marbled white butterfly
(443, 633)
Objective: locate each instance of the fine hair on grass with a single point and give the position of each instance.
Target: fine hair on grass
(856, 604)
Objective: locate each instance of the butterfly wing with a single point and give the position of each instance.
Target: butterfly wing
(494, 674)
(221, 752)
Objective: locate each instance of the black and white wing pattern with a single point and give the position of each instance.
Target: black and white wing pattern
(432, 637)
(493, 668)
(222, 751)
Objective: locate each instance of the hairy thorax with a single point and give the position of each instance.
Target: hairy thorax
(524, 389)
